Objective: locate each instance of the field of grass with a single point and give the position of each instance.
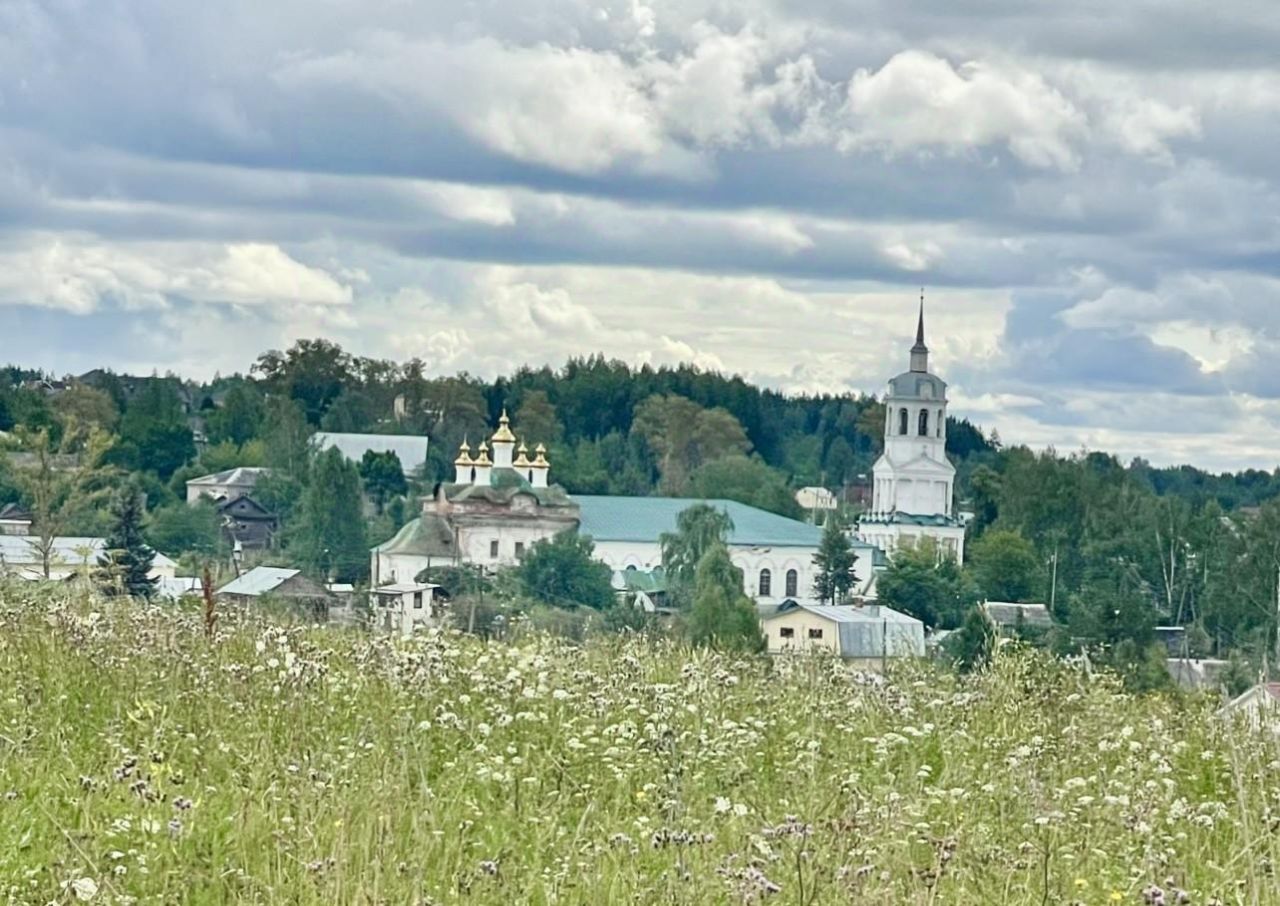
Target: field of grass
(143, 762)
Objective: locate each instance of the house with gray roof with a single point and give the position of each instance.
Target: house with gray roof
(227, 485)
(281, 584)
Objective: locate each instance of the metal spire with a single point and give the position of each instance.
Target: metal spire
(920, 323)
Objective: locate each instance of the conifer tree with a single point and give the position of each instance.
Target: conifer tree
(835, 560)
(330, 537)
(125, 563)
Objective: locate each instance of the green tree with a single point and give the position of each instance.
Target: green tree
(698, 529)
(84, 406)
(684, 435)
(536, 421)
(240, 417)
(154, 434)
(1005, 567)
(562, 571)
(974, 643)
(747, 480)
(927, 584)
(312, 372)
(125, 563)
(330, 536)
(181, 528)
(835, 563)
(383, 476)
(60, 483)
(722, 615)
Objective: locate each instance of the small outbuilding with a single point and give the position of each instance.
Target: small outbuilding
(1011, 619)
(867, 635)
(404, 606)
(276, 583)
(1260, 707)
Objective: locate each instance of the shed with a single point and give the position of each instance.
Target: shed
(867, 634)
(1010, 618)
(404, 606)
(277, 583)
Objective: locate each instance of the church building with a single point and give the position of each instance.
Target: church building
(914, 482)
(498, 506)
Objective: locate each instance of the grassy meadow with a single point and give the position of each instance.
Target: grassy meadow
(143, 762)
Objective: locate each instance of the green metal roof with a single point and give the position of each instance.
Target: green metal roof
(934, 519)
(646, 518)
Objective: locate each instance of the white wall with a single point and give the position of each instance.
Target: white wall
(751, 560)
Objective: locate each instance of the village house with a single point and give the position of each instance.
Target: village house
(20, 555)
(14, 520)
(226, 485)
(867, 635)
(1012, 620)
(288, 586)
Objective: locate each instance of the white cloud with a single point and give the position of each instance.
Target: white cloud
(919, 101)
(76, 274)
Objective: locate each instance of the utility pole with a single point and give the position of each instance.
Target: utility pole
(1053, 585)
(1277, 615)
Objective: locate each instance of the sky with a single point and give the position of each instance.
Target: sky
(1088, 192)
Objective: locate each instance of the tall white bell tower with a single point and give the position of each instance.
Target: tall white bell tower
(914, 482)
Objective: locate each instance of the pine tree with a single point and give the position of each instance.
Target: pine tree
(125, 563)
(722, 616)
(835, 560)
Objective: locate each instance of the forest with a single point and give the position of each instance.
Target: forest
(1114, 548)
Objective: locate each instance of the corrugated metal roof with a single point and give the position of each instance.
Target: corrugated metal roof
(411, 448)
(67, 551)
(260, 580)
(607, 518)
(869, 631)
(241, 476)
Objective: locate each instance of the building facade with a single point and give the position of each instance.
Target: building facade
(913, 486)
(501, 502)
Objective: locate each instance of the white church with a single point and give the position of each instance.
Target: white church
(914, 482)
(501, 502)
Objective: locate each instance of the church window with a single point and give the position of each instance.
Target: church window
(473, 476)
(792, 583)
(939, 422)
(924, 422)
(493, 550)
(766, 583)
(902, 421)
(519, 548)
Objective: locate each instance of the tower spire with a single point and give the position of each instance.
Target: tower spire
(920, 323)
(920, 352)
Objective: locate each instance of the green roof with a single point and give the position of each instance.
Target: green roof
(426, 536)
(935, 519)
(646, 518)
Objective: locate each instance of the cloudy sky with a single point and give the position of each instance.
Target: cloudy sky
(1090, 192)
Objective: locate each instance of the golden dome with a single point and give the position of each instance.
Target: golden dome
(522, 461)
(503, 435)
(464, 455)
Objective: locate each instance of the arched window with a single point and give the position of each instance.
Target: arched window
(902, 421)
(473, 476)
(938, 423)
(793, 581)
(924, 422)
(766, 584)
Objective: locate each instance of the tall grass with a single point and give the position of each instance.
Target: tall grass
(140, 762)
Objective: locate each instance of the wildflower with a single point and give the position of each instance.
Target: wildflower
(175, 827)
(85, 889)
